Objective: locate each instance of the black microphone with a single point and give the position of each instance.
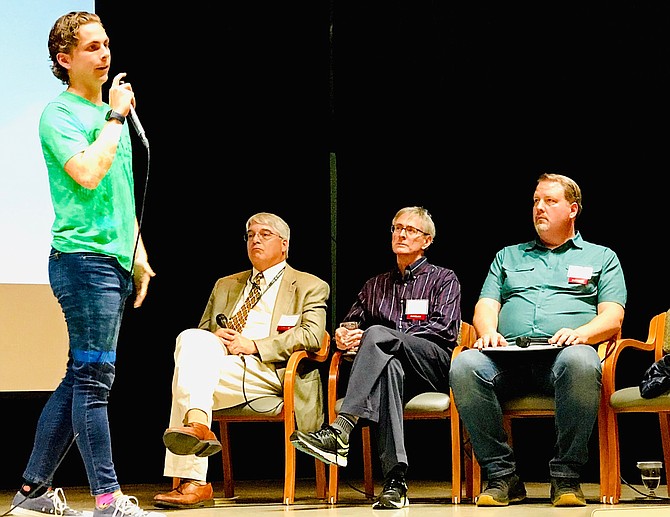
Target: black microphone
(526, 341)
(222, 320)
(138, 127)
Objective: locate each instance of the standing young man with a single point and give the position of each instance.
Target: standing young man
(96, 255)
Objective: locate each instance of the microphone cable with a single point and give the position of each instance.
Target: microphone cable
(244, 392)
(141, 134)
(53, 472)
(140, 218)
(222, 321)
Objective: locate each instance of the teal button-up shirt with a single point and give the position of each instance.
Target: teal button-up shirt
(542, 290)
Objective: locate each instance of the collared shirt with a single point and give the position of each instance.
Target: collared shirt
(543, 290)
(382, 301)
(260, 316)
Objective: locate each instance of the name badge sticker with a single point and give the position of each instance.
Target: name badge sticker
(416, 309)
(287, 322)
(579, 274)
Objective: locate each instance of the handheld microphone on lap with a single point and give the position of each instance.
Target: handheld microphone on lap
(222, 321)
(526, 341)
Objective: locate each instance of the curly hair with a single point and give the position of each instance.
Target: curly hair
(64, 38)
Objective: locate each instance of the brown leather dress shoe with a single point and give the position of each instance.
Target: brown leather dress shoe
(186, 495)
(192, 438)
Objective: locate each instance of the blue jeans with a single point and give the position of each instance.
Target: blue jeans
(481, 381)
(92, 290)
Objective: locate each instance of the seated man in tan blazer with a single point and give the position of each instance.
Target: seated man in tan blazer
(253, 321)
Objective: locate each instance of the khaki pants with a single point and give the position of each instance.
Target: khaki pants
(206, 377)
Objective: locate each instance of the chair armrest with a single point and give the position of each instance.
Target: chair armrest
(457, 350)
(333, 379)
(292, 368)
(466, 338)
(613, 353)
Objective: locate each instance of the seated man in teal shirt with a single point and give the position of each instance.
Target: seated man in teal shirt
(560, 289)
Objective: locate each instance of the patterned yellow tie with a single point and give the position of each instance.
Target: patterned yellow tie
(239, 319)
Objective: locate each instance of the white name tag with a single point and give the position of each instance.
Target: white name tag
(287, 321)
(579, 274)
(416, 309)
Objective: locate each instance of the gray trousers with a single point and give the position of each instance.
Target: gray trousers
(389, 369)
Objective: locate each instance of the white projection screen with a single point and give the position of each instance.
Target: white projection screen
(33, 337)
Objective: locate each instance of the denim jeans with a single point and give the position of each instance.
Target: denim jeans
(481, 381)
(92, 290)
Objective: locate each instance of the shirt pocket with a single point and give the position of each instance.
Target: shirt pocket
(517, 279)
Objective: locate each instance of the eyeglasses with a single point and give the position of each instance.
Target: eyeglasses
(410, 231)
(265, 235)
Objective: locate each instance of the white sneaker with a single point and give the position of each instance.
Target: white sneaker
(125, 506)
(52, 502)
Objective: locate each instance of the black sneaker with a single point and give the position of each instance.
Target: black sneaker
(502, 491)
(566, 492)
(326, 444)
(393, 496)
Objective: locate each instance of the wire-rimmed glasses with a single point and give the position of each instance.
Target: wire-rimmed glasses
(410, 231)
(265, 235)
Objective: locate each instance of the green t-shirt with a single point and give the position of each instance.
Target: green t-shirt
(542, 290)
(100, 220)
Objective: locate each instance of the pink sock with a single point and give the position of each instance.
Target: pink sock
(103, 500)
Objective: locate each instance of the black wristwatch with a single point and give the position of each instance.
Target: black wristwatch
(111, 114)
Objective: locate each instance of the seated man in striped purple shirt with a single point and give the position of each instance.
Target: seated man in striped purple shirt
(408, 323)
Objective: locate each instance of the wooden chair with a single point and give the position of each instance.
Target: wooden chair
(629, 400)
(528, 406)
(283, 412)
(425, 406)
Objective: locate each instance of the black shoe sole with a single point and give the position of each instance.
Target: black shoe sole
(184, 444)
